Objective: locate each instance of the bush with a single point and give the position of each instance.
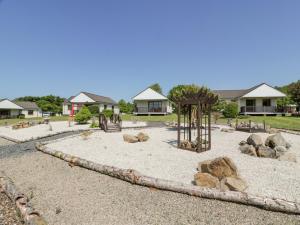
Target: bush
(108, 113)
(94, 109)
(83, 116)
(231, 110)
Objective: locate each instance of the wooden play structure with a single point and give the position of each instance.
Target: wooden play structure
(195, 108)
(114, 124)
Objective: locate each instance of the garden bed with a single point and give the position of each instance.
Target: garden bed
(159, 158)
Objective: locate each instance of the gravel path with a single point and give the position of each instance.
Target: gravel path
(74, 196)
(8, 213)
(158, 157)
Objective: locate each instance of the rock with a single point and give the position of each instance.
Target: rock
(235, 184)
(277, 140)
(243, 143)
(288, 156)
(203, 166)
(142, 137)
(266, 152)
(272, 131)
(223, 186)
(255, 140)
(130, 138)
(228, 130)
(206, 180)
(248, 149)
(222, 167)
(280, 150)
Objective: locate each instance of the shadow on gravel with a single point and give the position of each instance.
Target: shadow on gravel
(15, 150)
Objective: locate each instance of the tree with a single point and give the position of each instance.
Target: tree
(156, 87)
(294, 91)
(178, 90)
(231, 110)
(83, 116)
(125, 107)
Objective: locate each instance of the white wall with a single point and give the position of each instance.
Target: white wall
(36, 113)
(66, 110)
(14, 112)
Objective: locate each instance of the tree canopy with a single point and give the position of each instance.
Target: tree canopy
(49, 103)
(156, 87)
(125, 107)
(294, 92)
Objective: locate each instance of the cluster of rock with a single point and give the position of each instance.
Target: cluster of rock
(22, 125)
(220, 173)
(252, 125)
(227, 130)
(186, 144)
(140, 137)
(275, 146)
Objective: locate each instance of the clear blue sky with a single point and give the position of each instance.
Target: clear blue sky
(119, 47)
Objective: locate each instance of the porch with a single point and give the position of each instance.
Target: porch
(261, 110)
(150, 110)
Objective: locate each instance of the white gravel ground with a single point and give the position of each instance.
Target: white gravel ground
(43, 130)
(160, 158)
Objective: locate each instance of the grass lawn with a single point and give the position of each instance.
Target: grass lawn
(284, 122)
(3, 122)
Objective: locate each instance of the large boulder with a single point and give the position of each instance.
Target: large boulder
(203, 166)
(130, 138)
(277, 140)
(233, 184)
(255, 140)
(266, 152)
(206, 180)
(289, 156)
(248, 149)
(142, 137)
(220, 167)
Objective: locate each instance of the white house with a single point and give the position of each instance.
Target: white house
(10, 109)
(73, 104)
(258, 100)
(151, 102)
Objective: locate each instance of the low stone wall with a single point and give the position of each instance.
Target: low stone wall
(25, 209)
(137, 178)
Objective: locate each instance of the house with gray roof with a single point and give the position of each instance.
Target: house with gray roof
(258, 100)
(73, 104)
(29, 109)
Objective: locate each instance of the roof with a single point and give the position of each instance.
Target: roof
(94, 98)
(68, 100)
(266, 91)
(7, 104)
(27, 105)
(149, 94)
(100, 99)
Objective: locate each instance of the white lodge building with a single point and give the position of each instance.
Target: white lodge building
(73, 104)
(258, 100)
(150, 102)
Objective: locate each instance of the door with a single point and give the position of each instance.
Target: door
(250, 105)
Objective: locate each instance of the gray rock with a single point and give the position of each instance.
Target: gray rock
(280, 150)
(255, 140)
(277, 140)
(266, 152)
(248, 149)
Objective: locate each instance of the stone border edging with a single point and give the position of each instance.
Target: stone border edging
(134, 177)
(27, 212)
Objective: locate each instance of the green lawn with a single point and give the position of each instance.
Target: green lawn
(285, 122)
(3, 122)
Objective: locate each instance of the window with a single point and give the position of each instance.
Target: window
(155, 106)
(30, 112)
(266, 102)
(105, 106)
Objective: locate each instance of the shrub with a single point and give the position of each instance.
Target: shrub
(231, 110)
(216, 116)
(83, 116)
(108, 113)
(94, 109)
